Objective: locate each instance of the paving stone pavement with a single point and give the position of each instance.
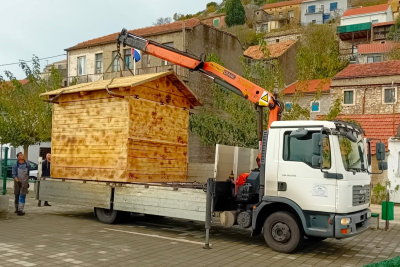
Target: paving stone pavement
(67, 235)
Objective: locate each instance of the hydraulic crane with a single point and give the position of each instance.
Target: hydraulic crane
(221, 76)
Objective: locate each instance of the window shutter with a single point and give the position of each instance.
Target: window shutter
(333, 6)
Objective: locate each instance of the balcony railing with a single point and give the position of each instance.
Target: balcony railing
(314, 11)
(181, 72)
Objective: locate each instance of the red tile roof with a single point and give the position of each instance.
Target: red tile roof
(23, 82)
(383, 24)
(275, 50)
(174, 26)
(309, 86)
(382, 126)
(386, 68)
(284, 3)
(374, 48)
(365, 10)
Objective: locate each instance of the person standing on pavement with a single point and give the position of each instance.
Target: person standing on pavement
(45, 173)
(20, 173)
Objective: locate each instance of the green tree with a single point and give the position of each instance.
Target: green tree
(235, 13)
(394, 32)
(26, 119)
(231, 119)
(246, 35)
(214, 4)
(318, 56)
(364, 3)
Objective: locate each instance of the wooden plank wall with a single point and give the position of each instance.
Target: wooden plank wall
(158, 133)
(89, 136)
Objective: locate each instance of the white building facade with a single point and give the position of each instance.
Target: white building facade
(379, 14)
(320, 11)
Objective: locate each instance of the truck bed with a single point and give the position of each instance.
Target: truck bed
(178, 200)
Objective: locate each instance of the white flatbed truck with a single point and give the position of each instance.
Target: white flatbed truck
(313, 181)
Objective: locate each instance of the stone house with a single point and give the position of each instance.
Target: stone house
(364, 25)
(282, 36)
(320, 11)
(276, 15)
(370, 94)
(318, 105)
(88, 61)
(285, 52)
(216, 20)
(61, 66)
(371, 53)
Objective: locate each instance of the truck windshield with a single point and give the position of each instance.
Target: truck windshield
(352, 153)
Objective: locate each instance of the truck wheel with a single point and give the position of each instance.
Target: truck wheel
(107, 216)
(282, 232)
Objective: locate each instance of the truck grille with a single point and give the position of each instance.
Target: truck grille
(360, 195)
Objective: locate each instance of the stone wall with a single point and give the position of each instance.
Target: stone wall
(305, 102)
(287, 62)
(368, 94)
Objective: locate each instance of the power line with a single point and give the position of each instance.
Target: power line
(31, 60)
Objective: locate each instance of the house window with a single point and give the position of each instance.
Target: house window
(311, 9)
(164, 62)
(277, 40)
(375, 21)
(313, 21)
(264, 27)
(115, 64)
(333, 6)
(288, 106)
(348, 97)
(389, 95)
(322, 8)
(99, 63)
(314, 106)
(128, 59)
(280, 15)
(81, 65)
(216, 22)
(291, 14)
(270, 17)
(373, 59)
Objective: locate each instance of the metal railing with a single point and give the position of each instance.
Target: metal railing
(181, 72)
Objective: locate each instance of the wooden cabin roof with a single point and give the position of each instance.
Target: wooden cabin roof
(129, 81)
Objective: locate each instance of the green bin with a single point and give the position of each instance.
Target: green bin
(388, 211)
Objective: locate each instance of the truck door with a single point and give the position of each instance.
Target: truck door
(298, 180)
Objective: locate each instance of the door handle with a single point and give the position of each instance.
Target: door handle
(282, 186)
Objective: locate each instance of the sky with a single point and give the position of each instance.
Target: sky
(46, 27)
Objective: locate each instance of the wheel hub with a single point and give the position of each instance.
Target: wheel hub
(281, 232)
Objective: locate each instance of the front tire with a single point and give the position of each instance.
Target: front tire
(283, 232)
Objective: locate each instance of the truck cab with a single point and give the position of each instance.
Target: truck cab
(314, 182)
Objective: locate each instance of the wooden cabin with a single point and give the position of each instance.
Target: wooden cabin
(137, 133)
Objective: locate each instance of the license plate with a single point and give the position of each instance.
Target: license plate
(368, 214)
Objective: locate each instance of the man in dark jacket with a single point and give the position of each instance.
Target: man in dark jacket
(20, 173)
(46, 173)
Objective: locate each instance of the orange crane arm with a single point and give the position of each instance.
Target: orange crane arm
(220, 75)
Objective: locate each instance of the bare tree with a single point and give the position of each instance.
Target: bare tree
(161, 21)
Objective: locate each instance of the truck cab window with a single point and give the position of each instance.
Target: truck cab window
(300, 149)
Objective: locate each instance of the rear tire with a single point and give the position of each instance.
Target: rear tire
(283, 232)
(107, 216)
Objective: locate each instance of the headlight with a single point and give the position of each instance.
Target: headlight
(345, 221)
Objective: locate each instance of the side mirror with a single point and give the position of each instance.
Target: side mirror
(317, 143)
(299, 133)
(317, 149)
(380, 151)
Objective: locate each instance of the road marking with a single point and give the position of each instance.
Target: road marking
(157, 236)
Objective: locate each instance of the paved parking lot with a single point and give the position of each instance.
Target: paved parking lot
(66, 235)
